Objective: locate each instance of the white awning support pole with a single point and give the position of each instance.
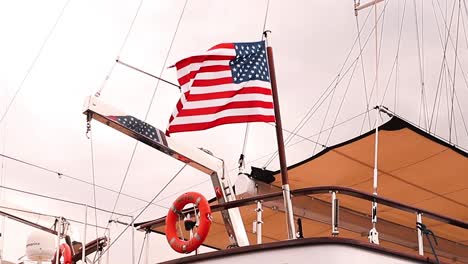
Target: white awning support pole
(373, 234)
(420, 235)
(335, 215)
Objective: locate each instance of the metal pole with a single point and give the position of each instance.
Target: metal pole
(83, 242)
(59, 224)
(373, 234)
(259, 223)
(108, 241)
(147, 73)
(335, 230)
(280, 141)
(420, 235)
(147, 247)
(133, 240)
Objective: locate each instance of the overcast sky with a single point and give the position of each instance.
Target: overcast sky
(311, 40)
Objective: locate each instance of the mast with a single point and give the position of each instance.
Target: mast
(280, 141)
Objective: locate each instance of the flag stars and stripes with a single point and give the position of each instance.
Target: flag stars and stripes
(230, 84)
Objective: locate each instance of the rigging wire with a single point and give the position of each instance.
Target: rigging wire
(146, 207)
(454, 72)
(444, 59)
(339, 76)
(395, 62)
(57, 199)
(21, 85)
(142, 247)
(341, 103)
(422, 106)
(151, 103)
(94, 185)
(60, 174)
(440, 79)
(247, 125)
(395, 96)
(378, 48)
(127, 36)
(362, 64)
(311, 111)
(266, 17)
(46, 215)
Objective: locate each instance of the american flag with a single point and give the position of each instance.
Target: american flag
(141, 128)
(230, 83)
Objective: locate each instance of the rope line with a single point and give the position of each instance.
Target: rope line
(362, 67)
(62, 11)
(146, 207)
(56, 199)
(454, 73)
(142, 246)
(339, 76)
(127, 36)
(60, 174)
(422, 105)
(311, 111)
(94, 185)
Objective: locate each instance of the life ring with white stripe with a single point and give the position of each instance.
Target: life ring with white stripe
(187, 246)
(64, 251)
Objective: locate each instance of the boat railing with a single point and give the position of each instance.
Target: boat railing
(397, 228)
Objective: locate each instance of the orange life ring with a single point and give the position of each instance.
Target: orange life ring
(64, 251)
(187, 246)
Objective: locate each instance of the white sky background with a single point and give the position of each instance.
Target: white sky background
(311, 39)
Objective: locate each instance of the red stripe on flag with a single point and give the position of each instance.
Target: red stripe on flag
(220, 121)
(228, 94)
(215, 68)
(212, 82)
(223, 46)
(201, 58)
(217, 109)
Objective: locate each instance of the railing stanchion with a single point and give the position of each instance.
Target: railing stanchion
(259, 222)
(420, 235)
(335, 215)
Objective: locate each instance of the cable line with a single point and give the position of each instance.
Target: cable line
(150, 105)
(98, 93)
(34, 61)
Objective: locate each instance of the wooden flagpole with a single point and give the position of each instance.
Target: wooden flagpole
(279, 138)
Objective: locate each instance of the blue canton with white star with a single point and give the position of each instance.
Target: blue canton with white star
(139, 126)
(250, 62)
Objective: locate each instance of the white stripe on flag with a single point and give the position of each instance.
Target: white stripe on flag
(196, 66)
(224, 101)
(229, 87)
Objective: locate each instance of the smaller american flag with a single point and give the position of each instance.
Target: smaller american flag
(230, 83)
(140, 127)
